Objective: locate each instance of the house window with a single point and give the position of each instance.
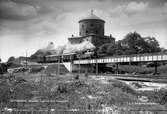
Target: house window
(91, 25)
(86, 31)
(82, 26)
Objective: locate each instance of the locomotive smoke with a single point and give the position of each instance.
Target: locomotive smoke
(72, 48)
(68, 48)
(50, 46)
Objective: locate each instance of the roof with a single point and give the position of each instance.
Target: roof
(82, 37)
(91, 17)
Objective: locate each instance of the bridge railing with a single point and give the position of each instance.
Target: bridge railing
(126, 58)
(103, 111)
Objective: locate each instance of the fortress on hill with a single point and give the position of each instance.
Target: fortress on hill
(91, 28)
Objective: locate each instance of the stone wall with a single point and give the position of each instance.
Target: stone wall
(87, 27)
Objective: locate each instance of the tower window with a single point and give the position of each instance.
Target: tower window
(86, 31)
(91, 25)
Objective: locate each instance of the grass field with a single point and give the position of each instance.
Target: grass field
(141, 69)
(73, 92)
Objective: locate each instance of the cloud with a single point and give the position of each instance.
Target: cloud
(16, 11)
(156, 3)
(35, 22)
(164, 9)
(135, 6)
(130, 9)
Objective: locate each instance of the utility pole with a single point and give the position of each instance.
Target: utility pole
(96, 67)
(71, 63)
(26, 59)
(116, 68)
(58, 68)
(96, 56)
(79, 64)
(61, 61)
(156, 67)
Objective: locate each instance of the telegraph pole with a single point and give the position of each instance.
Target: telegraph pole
(79, 64)
(71, 63)
(117, 68)
(96, 62)
(156, 67)
(96, 67)
(58, 68)
(26, 59)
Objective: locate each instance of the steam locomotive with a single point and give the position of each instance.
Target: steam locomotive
(67, 57)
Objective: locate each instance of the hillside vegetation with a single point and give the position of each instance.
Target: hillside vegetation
(70, 92)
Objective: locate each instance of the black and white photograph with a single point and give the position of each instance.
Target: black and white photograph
(83, 56)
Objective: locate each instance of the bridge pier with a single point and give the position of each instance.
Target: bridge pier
(156, 67)
(82, 68)
(117, 67)
(87, 68)
(97, 67)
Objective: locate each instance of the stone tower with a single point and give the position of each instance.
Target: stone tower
(91, 28)
(91, 24)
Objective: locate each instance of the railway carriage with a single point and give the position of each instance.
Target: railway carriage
(68, 57)
(53, 58)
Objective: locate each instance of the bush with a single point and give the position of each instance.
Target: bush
(124, 87)
(62, 88)
(159, 96)
(76, 77)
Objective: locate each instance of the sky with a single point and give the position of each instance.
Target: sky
(29, 25)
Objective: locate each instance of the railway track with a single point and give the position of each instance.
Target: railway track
(131, 77)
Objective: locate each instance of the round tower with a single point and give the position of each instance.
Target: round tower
(91, 24)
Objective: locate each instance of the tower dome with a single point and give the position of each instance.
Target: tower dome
(91, 24)
(91, 17)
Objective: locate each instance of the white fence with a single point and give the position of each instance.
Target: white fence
(126, 58)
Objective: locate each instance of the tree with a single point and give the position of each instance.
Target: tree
(111, 49)
(133, 43)
(3, 68)
(5, 93)
(153, 44)
(163, 49)
(11, 59)
(103, 49)
(115, 49)
(136, 44)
